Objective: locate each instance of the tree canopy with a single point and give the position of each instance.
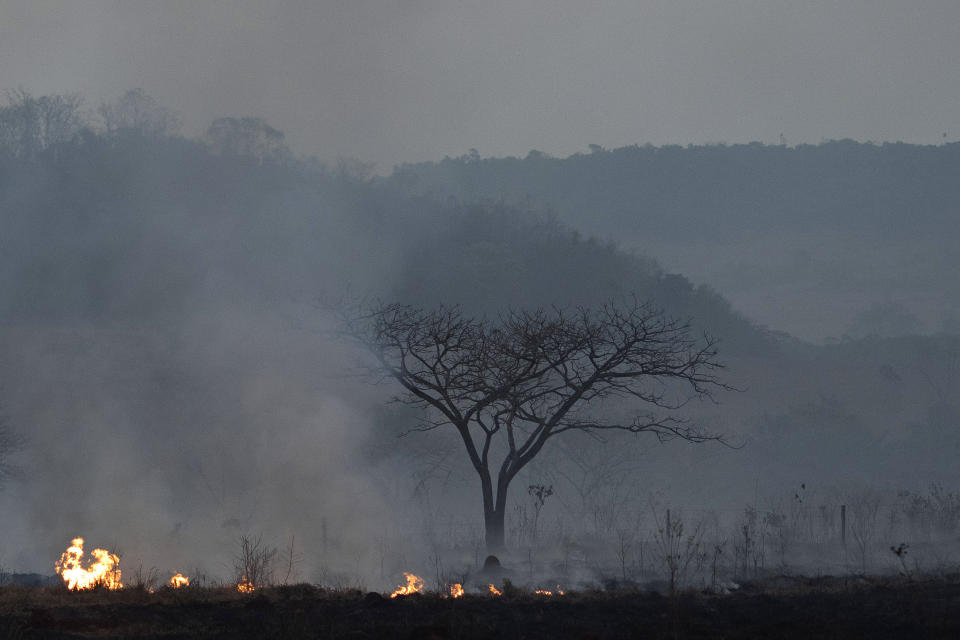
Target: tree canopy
(510, 385)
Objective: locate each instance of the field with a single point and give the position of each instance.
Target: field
(783, 573)
(778, 607)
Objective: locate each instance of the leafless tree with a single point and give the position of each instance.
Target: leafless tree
(139, 113)
(250, 138)
(253, 564)
(597, 473)
(678, 546)
(509, 385)
(864, 510)
(30, 125)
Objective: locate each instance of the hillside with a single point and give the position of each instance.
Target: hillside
(163, 348)
(135, 228)
(817, 240)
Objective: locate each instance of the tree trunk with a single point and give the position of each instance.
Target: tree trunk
(494, 512)
(494, 534)
(492, 516)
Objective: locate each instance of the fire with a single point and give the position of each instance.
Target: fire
(456, 590)
(414, 585)
(179, 580)
(245, 586)
(105, 571)
(495, 591)
(544, 592)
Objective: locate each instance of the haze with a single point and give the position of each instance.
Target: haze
(408, 80)
(780, 175)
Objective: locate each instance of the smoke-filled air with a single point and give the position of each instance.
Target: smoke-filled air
(476, 304)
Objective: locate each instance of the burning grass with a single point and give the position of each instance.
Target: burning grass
(103, 571)
(789, 608)
(485, 606)
(414, 585)
(178, 581)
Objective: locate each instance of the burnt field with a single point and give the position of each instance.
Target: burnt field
(781, 607)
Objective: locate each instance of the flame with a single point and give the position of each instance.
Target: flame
(495, 591)
(179, 580)
(456, 590)
(245, 586)
(105, 571)
(414, 585)
(544, 592)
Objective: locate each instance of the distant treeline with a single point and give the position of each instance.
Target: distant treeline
(113, 216)
(864, 233)
(113, 219)
(679, 192)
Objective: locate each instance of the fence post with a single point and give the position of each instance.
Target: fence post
(843, 525)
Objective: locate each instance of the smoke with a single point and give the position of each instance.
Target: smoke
(403, 81)
(164, 352)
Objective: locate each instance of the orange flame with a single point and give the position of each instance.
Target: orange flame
(495, 591)
(414, 585)
(245, 586)
(105, 571)
(544, 592)
(179, 580)
(456, 590)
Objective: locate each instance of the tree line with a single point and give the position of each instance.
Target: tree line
(674, 191)
(31, 126)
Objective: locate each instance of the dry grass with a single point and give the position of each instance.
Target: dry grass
(785, 607)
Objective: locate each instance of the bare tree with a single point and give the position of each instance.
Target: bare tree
(250, 138)
(510, 385)
(598, 473)
(253, 564)
(139, 113)
(30, 125)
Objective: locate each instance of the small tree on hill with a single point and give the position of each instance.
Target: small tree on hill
(138, 113)
(29, 125)
(510, 385)
(250, 138)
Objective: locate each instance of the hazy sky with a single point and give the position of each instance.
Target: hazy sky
(402, 80)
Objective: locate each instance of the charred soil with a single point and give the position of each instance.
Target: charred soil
(783, 608)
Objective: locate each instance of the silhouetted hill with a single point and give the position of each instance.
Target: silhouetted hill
(145, 228)
(842, 226)
(684, 192)
(162, 346)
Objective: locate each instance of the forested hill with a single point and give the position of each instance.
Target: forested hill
(158, 298)
(682, 191)
(161, 340)
(139, 225)
(849, 228)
